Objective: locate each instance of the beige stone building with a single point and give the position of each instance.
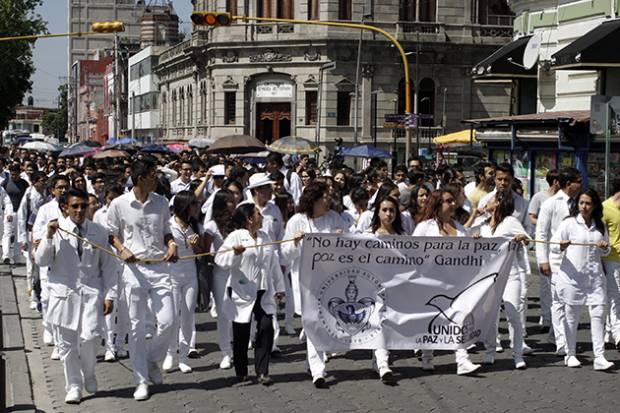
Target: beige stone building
(263, 79)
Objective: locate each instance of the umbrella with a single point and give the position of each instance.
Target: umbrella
(365, 151)
(236, 144)
(178, 147)
(155, 148)
(121, 141)
(200, 142)
(110, 153)
(79, 149)
(39, 146)
(457, 138)
(293, 145)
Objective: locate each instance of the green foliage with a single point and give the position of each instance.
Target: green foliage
(17, 18)
(55, 122)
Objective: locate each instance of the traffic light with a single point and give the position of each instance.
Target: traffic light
(208, 18)
(108, 27)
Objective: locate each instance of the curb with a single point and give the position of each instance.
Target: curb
(19, 396)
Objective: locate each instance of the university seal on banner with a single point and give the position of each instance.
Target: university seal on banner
(351, 305)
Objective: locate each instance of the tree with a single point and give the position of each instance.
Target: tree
(55, 121)
(17, 18)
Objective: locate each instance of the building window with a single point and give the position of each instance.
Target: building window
(285, 9)
(190, 107)
(231, 7)
(407, 10)
(426, 101)
(230, 107)
(344, 109)
(203, 103)
(344, 10)
(263, 8)
(311, 107)
(174, 107)
(164, 106)
(313, 9)
(492, 12)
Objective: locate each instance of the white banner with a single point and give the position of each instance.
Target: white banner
(362, 291)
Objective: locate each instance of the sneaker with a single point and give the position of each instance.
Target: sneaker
(519, 363)
(48, 339)
(571, 361)
(499, 349)
(320, 382)
(55, 354)
(168, 363)
(226, 362)
(110, 356)
(7, 261)
(33, 305)
(302, 336)
(142, 392)
(427, 365)
(184, 368)
(155, 373)
(466, 367)
(90, 384)
(276, 349)
(601, 364)
(74, 396)
(527, 349)
(386, 375)
(489, 358)
(265, 380)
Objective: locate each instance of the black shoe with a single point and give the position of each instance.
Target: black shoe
(544, 329)
(320, 383)
(618, 346)
(388, 379)
(241, 379)
(7, 261)
(265, 380)
(193, 355)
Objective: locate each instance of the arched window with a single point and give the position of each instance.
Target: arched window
(263, 8)
(190, 106)
(173, 104)
(426, 101)
(285, 9)
(181, 106)
(313, 9)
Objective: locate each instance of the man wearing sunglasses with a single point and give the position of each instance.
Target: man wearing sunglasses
(82, 284)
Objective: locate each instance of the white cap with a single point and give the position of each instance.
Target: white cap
(218, 170)
(259, 179)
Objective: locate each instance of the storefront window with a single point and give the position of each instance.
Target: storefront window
(545, 161)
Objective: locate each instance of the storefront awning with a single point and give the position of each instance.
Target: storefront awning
(505, 63)
(594, 50)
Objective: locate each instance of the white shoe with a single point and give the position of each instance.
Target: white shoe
(48, 339)
(148, 336)
(74, 396)
(276, 349)
(571, 361)
(110, 356)
(466, 367)
(427, 365)
(290, 330)
(168, 363)
(385, 374)
(155, 373)
(184, 368)
(527, 349)
(302, 336)
(142, 392)
(55, 354)
(601, 364)
(489, 358)
(226, 362)
(499, 349)
(213, 311)
(519, 363)
(33, 305)
(90, 384)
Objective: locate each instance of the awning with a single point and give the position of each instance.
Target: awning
(505, 63)
(594, 50)
(455, 138)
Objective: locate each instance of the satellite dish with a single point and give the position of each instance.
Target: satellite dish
(531, 53)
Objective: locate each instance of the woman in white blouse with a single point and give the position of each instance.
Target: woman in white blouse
(502, 224)
(581, 278)
(216, 229)
(184, 276)
(439, 222)
(314, 216)
(254, 281)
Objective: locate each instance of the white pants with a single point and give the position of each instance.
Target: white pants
(79, 357)
(612, 268)
(597, 328)
(381, 356)
(513, 307)
(545, 299)
(117, 323)
(142, 283)
(10, 231)
(316, 360)
(523, 300)
(224, 325)
(289, 308)
(45, 299)
(184, 293)
(557, 318)
(461, 356)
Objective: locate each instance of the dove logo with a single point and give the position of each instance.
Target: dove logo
(454, 323)
(351, 306)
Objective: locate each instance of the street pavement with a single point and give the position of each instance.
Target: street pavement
(545, 386)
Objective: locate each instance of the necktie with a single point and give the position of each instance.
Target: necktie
(78, 231)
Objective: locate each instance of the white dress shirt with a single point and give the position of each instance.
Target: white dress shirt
(552, 213)
(178, 185)
(520, 211)
(30, 203)
(292, 184)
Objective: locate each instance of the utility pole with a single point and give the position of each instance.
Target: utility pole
(319, 98)
(117, 91)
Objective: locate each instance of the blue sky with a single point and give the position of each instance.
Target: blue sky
(50, 55)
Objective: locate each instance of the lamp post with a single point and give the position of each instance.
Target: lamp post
(319, 97)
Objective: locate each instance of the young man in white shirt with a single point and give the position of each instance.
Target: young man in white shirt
(183, 182)
(84, 289)
(139, 224)
(552, 212)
